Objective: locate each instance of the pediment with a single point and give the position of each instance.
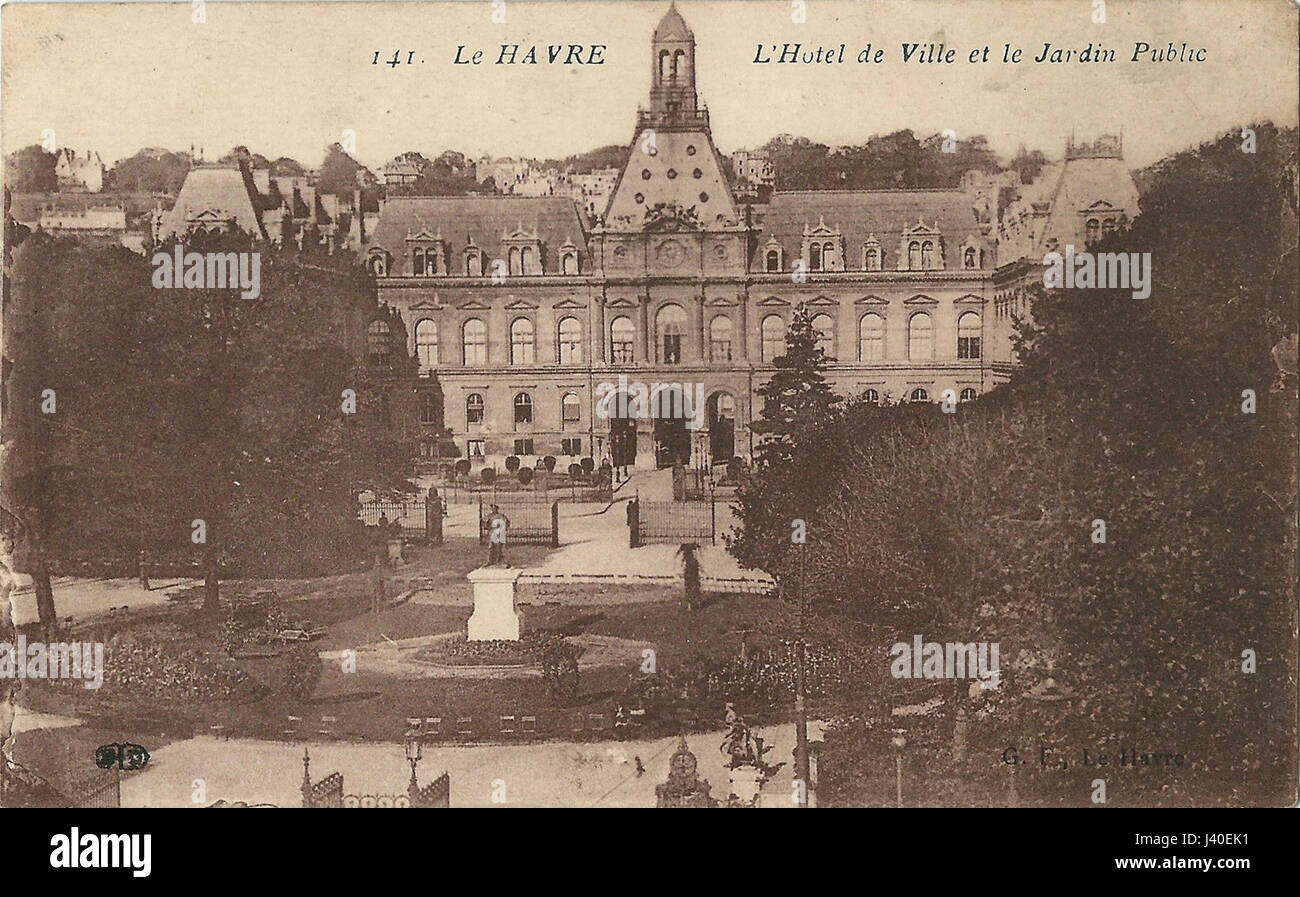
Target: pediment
(822, 301)
(871, 300)
(521, 304)
(474, 305)
(1099, 206)
(209, 215)
(424, 235)
(428, 305)
(969, 299)
(921, 299)
(569, 303)
(721, 302)
(621, 303)
(921, 229)
(773, 301)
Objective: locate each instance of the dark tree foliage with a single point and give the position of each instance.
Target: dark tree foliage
(149, 171)
(978, 525)
(31, 170)
(176, 405)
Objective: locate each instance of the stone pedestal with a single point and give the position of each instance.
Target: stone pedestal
(746, 783)
(495, 615)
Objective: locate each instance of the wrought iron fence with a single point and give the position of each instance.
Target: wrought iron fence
(408, 516)
(676, 522)
(534, 521)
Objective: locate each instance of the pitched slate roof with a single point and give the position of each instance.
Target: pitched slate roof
(219, 193)
(860, 214)
(672, 26)
(486, 220)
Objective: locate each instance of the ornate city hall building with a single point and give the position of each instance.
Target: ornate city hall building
(535, 321)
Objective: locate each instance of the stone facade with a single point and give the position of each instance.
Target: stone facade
(530, 316)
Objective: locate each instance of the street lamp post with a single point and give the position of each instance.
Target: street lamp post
(413, 754)
(898, 742)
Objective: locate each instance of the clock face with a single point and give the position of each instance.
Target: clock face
(670, 254)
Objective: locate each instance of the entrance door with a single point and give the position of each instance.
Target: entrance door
(722, 427)
(622, 441)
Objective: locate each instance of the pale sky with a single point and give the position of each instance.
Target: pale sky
(287, 78)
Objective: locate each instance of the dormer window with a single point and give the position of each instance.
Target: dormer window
(473, 262)
(773, 256)
(377, 263)
(568, 259)
(970, 258)
(427, 255)
(921, 248)
(822, 248)
(523, 253)
(872, 257)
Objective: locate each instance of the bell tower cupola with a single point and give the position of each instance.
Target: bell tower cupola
(672, 81)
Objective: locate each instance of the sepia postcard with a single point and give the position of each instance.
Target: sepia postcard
(710, 403)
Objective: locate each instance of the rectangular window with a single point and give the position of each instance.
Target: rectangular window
(523, 446)
(571, 446)
(476, 449)
(968, 347)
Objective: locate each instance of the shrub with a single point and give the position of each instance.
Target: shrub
(588, 464)
(512, 463)
(462, 467)
(575, 470)
(549, 463)
(488, 474)
(301, 672)
(525, 475)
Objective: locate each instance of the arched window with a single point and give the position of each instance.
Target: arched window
(1108, 227)
(474, 263)
(968, 393)
(927, 255)
(920, 395)
(720, 339)
(968, 335)
(621, 336)
(523, 408)
(871, 337)
(526, 257)
(920, 337)
(378, 264)
(665, 71)
(473, 409)
(914, 256)
(570, 342)
(428, 408)
(828, 256)
(570, 409)
(773, 260)
(426, 343)
(824, 327)
(516, 266)
(871, 261)
(379, 343)
(773, 331)
(670, 325)
(474, 341)
(521, 341)
(1092, 231)
(417, 262)
(815, 257)
(569, 263)
(968, 258)
(871, 395)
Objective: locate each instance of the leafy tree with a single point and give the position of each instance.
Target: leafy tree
(31, 170)
(339, 173)
(195, 404)
(150, 171)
